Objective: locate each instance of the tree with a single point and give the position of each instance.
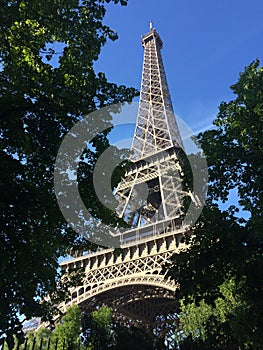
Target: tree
(221, 273)
(234, 149)
(47, 51)
(101, 331)
(97, 329)
(67, 333)
(39, 339)
(128, 338)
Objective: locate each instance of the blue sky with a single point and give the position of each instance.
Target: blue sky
(206, 44)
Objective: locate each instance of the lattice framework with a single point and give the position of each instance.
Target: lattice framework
(150, 200)
(156, 127)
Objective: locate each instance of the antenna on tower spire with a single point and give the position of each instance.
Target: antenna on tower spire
(151, 25)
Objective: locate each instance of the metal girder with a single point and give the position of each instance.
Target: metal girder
(133, 282)
(152, 190)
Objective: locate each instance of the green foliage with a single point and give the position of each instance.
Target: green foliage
(101, 331)
(221, 275)
(65, 335)
(97, 329)
(102, 318)
(47, 51)
(38, 338)
(200, 320)
(68, 331)
(193, 319)
(129, 338)
(235, 148)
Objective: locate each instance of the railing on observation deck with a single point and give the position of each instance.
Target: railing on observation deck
(154, 230)
(139, 235)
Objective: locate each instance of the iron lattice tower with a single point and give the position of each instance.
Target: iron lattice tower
(150, 199)
(156, 149)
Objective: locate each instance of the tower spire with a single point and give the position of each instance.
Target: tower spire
(156, 127)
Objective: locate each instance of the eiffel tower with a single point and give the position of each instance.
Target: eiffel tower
(150, 197)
